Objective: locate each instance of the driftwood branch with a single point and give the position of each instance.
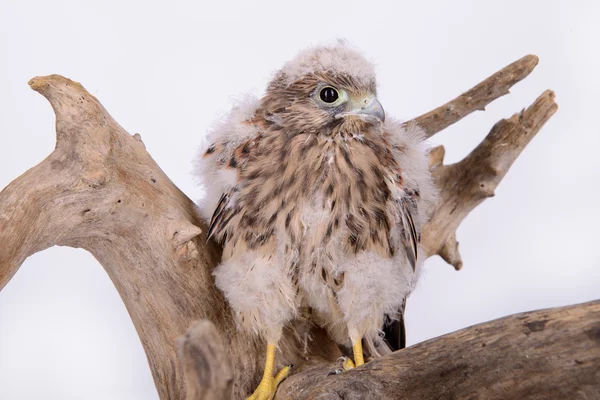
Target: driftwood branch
(206, 367)
(469, 182)
(100, 190)
(547, 354)
(478, 97)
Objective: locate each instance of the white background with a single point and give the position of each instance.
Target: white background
(168, 69)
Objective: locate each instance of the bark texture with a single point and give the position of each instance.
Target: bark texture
(478, 97)
(100, 190)
(206, 367)
(547, 354)
(466, 184)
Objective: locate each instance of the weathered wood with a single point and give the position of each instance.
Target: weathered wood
(206, 367)
(469, 182)
(547, 354)
(100, 190)
(478, 97)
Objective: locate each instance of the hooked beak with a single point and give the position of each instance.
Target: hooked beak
(367, 107)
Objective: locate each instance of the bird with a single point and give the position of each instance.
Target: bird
(318, 198)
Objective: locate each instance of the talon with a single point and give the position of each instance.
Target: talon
(348, 364)
(336, 371)
(281, 375)
(268, 385)
(265, 390)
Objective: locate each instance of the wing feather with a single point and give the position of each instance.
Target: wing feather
(225, 208)
(218, 213)
(410, 236)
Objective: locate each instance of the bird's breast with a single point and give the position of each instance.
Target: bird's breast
(315, 195)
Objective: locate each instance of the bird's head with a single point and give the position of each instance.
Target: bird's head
(324, 90)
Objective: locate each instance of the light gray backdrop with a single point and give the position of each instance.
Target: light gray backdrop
(167, 69)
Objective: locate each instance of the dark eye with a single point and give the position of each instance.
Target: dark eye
(329, 94)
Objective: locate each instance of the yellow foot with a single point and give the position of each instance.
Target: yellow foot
(348, 364)
(268, 385)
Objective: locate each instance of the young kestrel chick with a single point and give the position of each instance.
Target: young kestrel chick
(318, 199)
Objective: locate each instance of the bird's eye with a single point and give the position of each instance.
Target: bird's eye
(329, 95)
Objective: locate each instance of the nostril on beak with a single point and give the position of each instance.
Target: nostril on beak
(368, 106)
(366, 103)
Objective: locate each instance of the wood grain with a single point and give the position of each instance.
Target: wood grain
(547, 354)
(207, 369)
(100, 190)
(469, 182)
(478, 97)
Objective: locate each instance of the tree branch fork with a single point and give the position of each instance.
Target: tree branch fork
(100, 190)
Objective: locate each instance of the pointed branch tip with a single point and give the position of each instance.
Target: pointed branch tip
(185, 233)
(476, 98)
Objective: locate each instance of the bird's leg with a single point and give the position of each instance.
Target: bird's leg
(268, 385)
(359, 359)
(356, 348)
(358, 352)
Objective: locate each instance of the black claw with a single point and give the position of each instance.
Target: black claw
(291, 365)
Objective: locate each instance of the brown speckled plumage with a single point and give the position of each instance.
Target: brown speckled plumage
(308, 154)
(281, 173)
(319, 204)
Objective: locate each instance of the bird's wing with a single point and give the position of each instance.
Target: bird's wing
(410, 231)
(219, 212)
(419, 194)
(394, 329)
(216, 165)
(225, 208)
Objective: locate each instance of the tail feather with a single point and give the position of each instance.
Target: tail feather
(395, 334)
(394, 330)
